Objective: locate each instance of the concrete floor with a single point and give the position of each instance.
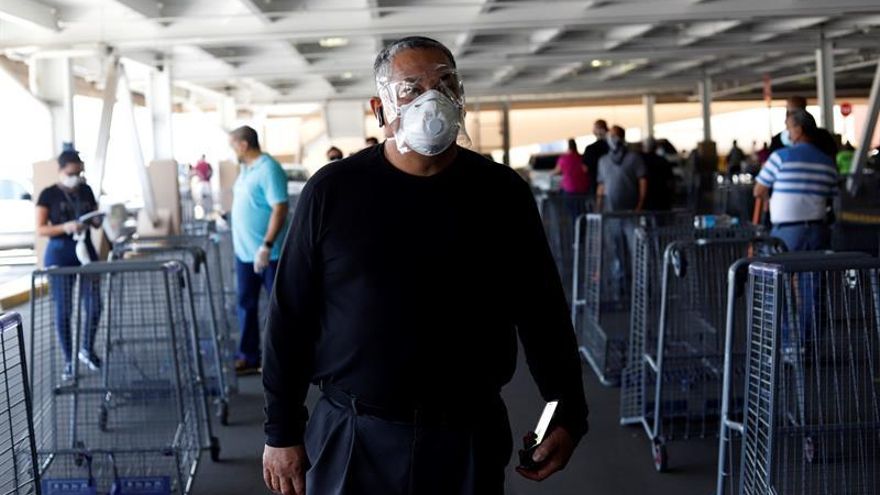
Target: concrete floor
(611, 460)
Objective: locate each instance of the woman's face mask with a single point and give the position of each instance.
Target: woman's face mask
(70, 181)
(613, 141)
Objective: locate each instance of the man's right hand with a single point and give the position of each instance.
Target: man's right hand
(284, 469)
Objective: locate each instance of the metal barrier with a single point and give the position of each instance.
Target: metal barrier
(601, 279)
(18, 458)
(812, 394)
(729, 445)
(682, 362)
(217, 348)
(140, 424)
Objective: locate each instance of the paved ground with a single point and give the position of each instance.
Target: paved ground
(612, 460)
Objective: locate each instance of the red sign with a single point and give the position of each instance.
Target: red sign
(845, 109)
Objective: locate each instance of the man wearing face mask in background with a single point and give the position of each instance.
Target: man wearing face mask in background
(58, 213)
(259, 218)
(823, 140)
(410, 270)
(623, 186)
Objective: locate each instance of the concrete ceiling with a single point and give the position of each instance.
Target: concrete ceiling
(267, 51)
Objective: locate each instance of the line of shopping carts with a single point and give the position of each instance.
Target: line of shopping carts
(124, 358)
(716, 331)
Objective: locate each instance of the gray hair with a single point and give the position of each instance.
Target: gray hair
(382, 65)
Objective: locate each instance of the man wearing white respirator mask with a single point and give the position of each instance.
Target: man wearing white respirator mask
(58, 212)
(410, 271)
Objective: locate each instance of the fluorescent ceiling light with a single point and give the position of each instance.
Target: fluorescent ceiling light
(333, 42)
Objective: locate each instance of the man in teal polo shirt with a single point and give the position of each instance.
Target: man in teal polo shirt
(259, 223)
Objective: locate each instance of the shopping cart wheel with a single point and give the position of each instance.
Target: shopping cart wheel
(102, 418)
(215, 449)
(661, 458)
(223, 413)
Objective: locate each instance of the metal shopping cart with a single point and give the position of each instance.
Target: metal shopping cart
(559, 212)
(140, 424)
(811, 420)
(678, 370)
(730, 431)
(217, 348)
(601, 281)
(18, 461)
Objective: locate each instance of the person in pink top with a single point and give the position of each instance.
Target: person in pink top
(574, 173)
(575, 181)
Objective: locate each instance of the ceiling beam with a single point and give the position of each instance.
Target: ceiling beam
(702, 30)
(778, 27)
(150, 9)
(29, 13)
(310, 25)
(255, 9)
(621, 35)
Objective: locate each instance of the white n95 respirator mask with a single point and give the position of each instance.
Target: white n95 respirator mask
(429, 124)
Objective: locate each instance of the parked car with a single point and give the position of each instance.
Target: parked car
(541, 171)
(17, 205)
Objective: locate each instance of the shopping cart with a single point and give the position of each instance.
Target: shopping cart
(18, 461)
(679, 368)
(217, 348)
(729, 440)
(647, 272)
(811, 416)
(601, 281)
(141, 423)
(559, 212)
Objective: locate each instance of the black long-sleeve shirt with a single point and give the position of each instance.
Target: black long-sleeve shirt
(409, 291)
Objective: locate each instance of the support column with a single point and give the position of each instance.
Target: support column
(51, 81)
(705, 89)
(825, 83)
(346, 126)
(159, 101)
(864, 144)
(649, 101)
(505, 132)
(228, 113)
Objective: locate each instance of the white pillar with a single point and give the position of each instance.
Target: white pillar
(346, 124)
(228, 113)
(864, 143)
(705, 90)
(825, 83)
(159, 101)
(51, 81)
(649, 101)
(505, 132)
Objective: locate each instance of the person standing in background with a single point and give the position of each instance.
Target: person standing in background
(735, 159)
(58, 212)
(202, 171)
(334, 154)
(623, 186)
(575, 181)
(595, 151)
(661, 180)
(371, 141)
(259, 224)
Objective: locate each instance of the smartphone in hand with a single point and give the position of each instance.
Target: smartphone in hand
(533, 439)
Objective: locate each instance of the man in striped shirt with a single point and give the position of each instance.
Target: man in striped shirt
(802, 179)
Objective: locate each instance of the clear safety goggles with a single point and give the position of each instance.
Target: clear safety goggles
(401, 89)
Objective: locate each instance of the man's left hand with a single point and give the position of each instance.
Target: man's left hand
(261, 260)
(552, 455)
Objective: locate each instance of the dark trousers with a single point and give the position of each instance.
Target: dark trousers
(357, 454)
(62, 252)
(249, 286)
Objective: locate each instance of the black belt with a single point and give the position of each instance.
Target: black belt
(435, 415)
(805, 223)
